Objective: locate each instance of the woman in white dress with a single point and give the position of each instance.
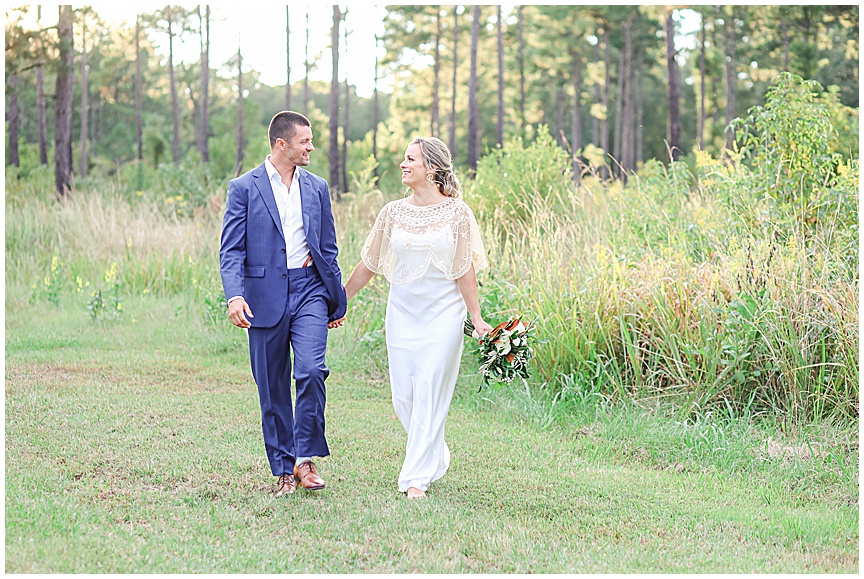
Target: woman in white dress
(428, 247)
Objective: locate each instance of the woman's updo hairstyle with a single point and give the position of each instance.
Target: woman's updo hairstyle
(436, 155)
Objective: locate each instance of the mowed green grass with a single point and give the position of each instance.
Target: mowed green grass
(135, 446)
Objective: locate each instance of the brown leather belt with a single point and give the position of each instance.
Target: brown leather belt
(308, 262)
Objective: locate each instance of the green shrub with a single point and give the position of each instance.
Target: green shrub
(510, 181)
(790, 145)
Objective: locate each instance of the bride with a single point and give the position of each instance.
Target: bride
(428, 247)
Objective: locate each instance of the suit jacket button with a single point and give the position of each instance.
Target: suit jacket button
(283, 250)
(284, 275)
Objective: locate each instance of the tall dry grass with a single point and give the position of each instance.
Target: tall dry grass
(155, 250)
(682, 285)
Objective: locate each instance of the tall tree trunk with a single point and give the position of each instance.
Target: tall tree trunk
(344, 164)
(640, 110)
(805, 57)
(196, 114)
(238, 167)
(63, 104)
(196, 108)
(576, 116)
(545, 100)
(700, 121)
(521, 67)
(288, 57)
(629, 112)
(205, 90)
(451, 140)
(14, 118)
(715, 90)
(334, 108)
(101, 132)
(559, 110)
(731, 77)
(435, 124)
(604, 124)
(595, 122)
(40, 112)
(674, 90)
(92, 137)
(306, 78)
(500, 134)
(628, 131)
(619, 114)
(175, 106)
(138, 88)
(375, 113)
(473, 108)
(40, 97)
(85, 103)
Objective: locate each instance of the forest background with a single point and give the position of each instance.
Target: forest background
(677, 209)
(612, 83)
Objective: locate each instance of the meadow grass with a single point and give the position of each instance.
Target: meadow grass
(133, 445)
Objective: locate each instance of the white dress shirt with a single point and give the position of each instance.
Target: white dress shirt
(291, 213)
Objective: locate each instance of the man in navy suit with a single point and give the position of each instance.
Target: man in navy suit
(283, 284)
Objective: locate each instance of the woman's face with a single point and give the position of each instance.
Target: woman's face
(413, 170)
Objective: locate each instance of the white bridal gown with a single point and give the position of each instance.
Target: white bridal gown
(422, 251)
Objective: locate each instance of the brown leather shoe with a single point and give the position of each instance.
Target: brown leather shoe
(307, 475)
(287, 485)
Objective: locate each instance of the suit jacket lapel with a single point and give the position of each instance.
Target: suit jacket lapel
(262, 183)
(306, 197)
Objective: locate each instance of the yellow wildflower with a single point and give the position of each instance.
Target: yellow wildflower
(111, 274)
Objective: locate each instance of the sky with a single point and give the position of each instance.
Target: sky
(259, 27)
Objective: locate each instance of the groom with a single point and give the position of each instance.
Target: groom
(283, 284)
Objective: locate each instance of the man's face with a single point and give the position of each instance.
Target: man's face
(298, 148)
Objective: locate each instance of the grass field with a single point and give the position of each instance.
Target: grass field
(134, 445)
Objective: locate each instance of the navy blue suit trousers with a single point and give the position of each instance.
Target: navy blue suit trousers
(301, 332)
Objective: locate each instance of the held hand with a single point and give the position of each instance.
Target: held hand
(336, 323)
(481, 328)
(236, 311)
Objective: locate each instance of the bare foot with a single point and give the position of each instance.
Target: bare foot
(415, 493)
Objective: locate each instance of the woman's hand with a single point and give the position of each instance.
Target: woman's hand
(480, 326)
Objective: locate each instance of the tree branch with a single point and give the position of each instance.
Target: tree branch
(28, 67)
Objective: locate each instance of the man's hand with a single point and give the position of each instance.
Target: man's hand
(336, 323)
(236, 310)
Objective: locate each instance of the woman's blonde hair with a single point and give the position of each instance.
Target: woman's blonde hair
(436, 155)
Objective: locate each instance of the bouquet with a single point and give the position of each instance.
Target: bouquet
(504, 352)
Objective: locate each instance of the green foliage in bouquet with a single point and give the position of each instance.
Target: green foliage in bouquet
(505, 352)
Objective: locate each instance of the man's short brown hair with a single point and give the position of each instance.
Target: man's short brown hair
(284, 125)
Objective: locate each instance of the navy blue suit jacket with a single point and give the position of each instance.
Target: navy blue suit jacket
(252, 255)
